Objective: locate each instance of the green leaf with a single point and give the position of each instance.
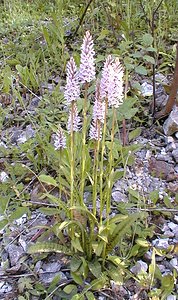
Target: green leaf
(48, 179)
(49, 211)
(121, 229)
(46, 36)
(3, 224)
(142, 242)
(90, 296)
(48, 247)
(84, 268)
(151, 49)
(57, 201)
(147, 39)
(95, 268)
(134, 133)
(78, 297)
(75, 263)
(99, 283)
(4, 204)
(137, 86)
(98, 247)
(149, 59)
(77, 278)
(134, 251)
(103, 34)
(141, 70)
(54, 283)
(76, 244)
(137, 54)
(116, 276)
(70, 288)
(154, 196)
(167, 202)
(18, 213)
(115, 260)
(167, 283)
(133, 193)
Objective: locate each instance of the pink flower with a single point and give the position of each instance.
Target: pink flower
(60, 140)
(98, 116)
(115, 84)
(105, 76)
(76, 119)
(72, 88)
(112, 82)
(99, 105)
(87, 65)
(95, 130)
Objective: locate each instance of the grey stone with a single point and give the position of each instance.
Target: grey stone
(26, 135)
(161, 101)
(176, 168)
(175, 155)
(171, 147)
(47, 277)
(161, 267)
(170, 126)
(161, 243)
(119, 197)
(173, 226)
(168, 233)
(174, 263)
(15, 253)
(34, 102)
(146, 89)
(139, 267)
(176, 218)
(3, 176)
(161, 78)
(169, 139)
(5, 287)
(171, 297)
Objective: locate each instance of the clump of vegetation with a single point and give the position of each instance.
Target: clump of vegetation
(76, 107)
(87, 163)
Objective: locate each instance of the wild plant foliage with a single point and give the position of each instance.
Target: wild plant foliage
(86, 164)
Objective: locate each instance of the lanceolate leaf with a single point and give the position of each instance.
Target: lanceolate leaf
(49, 247)
(48, 179)
(121, 229)
(57, 201)
(95, 268)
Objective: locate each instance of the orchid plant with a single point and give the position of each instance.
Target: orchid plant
(92, 231)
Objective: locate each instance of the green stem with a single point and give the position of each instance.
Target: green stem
(101, 163)
(59, 176)
(109, 183)
(72, 161)
(83, 160)
(95, 169)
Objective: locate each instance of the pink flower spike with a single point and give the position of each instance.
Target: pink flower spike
(115, 84)
(95, 131)
(112, 82)
(105, 76)
(59, 140)
(87, 66)
(99, 105)
(76, 120)
(72, 88)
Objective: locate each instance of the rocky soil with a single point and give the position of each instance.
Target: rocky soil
(155, 172)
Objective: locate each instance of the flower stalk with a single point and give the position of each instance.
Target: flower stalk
(84, 132)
